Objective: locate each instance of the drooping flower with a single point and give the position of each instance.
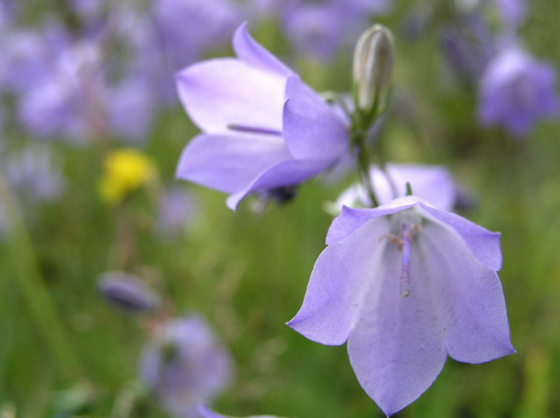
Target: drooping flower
(185, 365)
(406, 284)
(125, 291)
(263, 128)
(516, 90)
(433, 184)
(206, 412)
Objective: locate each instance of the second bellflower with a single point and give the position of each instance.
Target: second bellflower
(406, 284)
(263, 129)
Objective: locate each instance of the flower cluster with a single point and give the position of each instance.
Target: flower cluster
(403, 280)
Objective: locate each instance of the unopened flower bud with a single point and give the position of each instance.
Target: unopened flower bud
(373, 65)
(126, 292)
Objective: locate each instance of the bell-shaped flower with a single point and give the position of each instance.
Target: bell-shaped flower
(406, 284)
(516, 90)
(185, 365)
(434, 184)
(263, 129)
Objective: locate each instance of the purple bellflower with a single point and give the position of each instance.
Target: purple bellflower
(127, 292)
(433, 184)
(185, 365)
(406, 284)
(516, 90)
(263, 129)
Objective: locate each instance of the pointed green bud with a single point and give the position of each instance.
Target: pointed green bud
(374, 58)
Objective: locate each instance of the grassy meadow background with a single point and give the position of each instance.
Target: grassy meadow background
(65, 352)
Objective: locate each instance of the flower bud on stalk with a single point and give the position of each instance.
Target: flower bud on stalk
(373, 65)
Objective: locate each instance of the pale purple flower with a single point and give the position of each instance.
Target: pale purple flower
(367, 7)
(130, 109)
(263, 128)
(127, 292)
(69, 99)
(25, 54)
(206, 412)
(319, 30)
(433, 184)
(34, 174)
(467, 47)
(187, 28)
(512, 12)
(406, 284)
(516, 90)
(185, 365)
(183, 31)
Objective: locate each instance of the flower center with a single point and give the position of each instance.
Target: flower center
(403, 241)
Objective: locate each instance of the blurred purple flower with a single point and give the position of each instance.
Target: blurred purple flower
(125, 291)
(367, 7)
(467, 47)
(176, 212)
(185, 365)
(272, 8)
(516, 90)
(188, 28)
(183, 31)
(319, 30)
(24, 57)
(34, 174)
(69, 99)
(433, 184)
(512, 12)
(130, 109)
(406, 284)
(254, 140)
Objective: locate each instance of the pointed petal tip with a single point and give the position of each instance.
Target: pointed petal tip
(241, 30)
(233, 201)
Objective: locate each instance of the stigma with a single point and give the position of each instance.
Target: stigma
(403, 241)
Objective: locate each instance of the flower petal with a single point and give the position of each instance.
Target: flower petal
(229, 163)
(350, 219)
(397, 348)
(333, 299)
(285, 173)
(471, 299)
(483, 244)
(311, 128)
(250, 51)
(228, 91)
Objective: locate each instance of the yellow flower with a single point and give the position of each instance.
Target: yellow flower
(126, 170)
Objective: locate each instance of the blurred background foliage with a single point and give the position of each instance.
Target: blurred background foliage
(65, 352)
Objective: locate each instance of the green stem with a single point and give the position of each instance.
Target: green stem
(365, 178)
(35, 293)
